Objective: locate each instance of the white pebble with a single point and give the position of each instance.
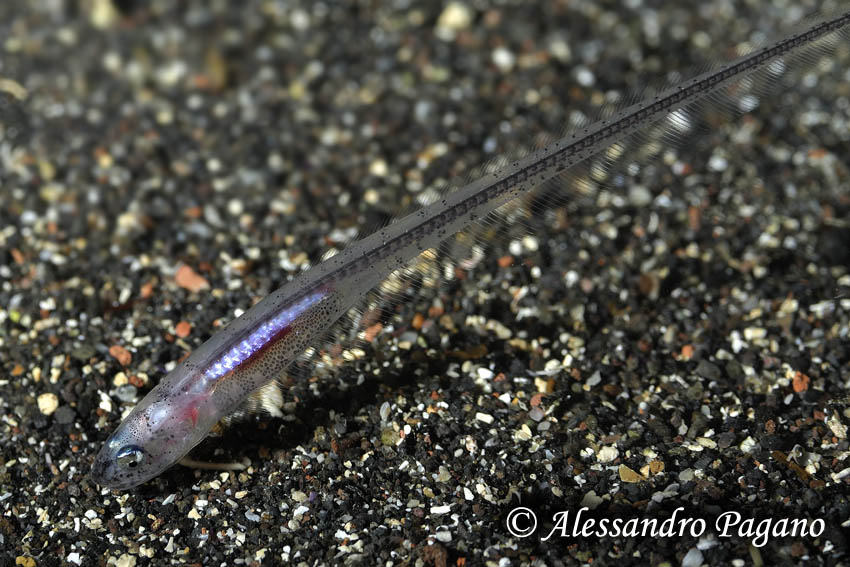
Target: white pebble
(485, 373)
(737, 343)
(607, 454)
(485, 417)
(585, 76)
(378, 168)
(504, 59)
(748, 445)
(454, 17)
(639, 195)
(591, 500)
(523, 433)
(717, 163)
(692, 558)
(47, 403)
(530, 243)
(235, 207)
(755, 333)
(300, 20)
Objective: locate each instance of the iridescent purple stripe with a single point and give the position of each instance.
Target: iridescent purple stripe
(260, 338)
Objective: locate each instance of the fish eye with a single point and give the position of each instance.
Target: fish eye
(129, 456)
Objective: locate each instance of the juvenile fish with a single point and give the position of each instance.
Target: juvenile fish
(257, 347)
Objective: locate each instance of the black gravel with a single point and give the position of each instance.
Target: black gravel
(677, 346)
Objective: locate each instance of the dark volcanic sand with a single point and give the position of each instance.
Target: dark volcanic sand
(685, 345)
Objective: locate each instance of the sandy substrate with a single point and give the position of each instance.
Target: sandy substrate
(675, 349)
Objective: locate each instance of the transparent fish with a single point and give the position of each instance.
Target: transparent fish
(285, 330)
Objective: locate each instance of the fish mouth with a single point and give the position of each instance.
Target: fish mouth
(99, 471)
(105, 473)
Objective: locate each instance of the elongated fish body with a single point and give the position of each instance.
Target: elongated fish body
(259, 346)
